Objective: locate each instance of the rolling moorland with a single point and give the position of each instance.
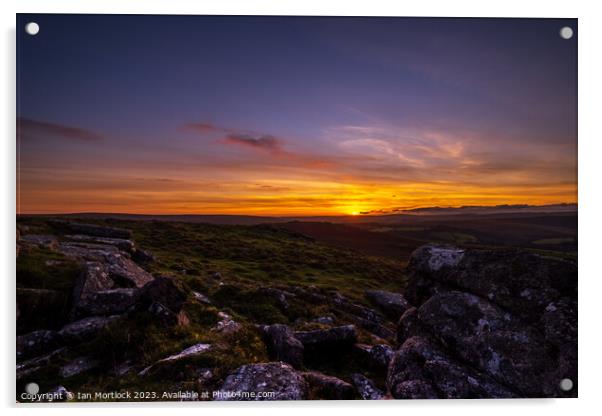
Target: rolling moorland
(372, 307)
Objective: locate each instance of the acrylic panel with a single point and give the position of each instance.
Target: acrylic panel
(295, 208)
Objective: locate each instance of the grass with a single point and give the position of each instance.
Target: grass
(42, 268)
(230, 264)
(248, 256)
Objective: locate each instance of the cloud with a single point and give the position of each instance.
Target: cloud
(203, 127)
(264, 142)
(29, 127)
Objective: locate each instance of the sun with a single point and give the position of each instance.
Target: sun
(354, 213)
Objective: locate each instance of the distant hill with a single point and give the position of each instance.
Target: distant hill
(398, 216)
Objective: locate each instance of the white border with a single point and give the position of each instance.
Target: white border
(590, 91)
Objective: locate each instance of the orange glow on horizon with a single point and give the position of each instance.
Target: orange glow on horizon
(281, 198)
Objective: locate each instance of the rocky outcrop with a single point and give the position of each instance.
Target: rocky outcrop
(283, 345)
(107, 302)
(28, 368)
(490, 339)
(85, 329)
(163, 298)
(342, 309)
(392, 304)
(121, 243)
(105, 268)
(37, 343)
(39, 240)
(486, 323)
(374, 356)
(422, 370)
(265, 381)
(366, 388)
(78, 366)
(324, 387)
(519, 281)
(328, 339)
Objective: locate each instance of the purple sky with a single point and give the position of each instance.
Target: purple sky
(276, 115)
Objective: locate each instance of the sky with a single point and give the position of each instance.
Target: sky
(293, 116)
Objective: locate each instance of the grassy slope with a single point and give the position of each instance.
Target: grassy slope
(246, 257)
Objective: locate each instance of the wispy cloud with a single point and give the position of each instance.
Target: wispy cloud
(203, 127)
(265, 142)
(27, 127)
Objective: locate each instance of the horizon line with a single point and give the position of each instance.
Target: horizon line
(361, 214)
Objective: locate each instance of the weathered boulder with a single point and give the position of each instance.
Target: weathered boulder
(105, 268)
(410, 325)
(422, 370)
(392, 304)
(491, 340)
(324, 387)
(375, 356)
(164, 290)
(283, 345)
(116, 265)
(265, 381)
(106, 302)
(85, 329)
(366, 388)
(37, 343)
(519, 281)
(94, 278)
(328, 339)
(163, 298)
(510, 314)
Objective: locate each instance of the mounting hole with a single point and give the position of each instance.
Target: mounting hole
(566, 384)
(32, 388)
(566, 32)
(32, 28)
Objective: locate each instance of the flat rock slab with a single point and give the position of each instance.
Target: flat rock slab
(328, 338)
(85, 329)
(107, 302)
(186, 353)
(120, 243)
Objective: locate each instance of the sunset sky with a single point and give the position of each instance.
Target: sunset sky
(293, 116)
